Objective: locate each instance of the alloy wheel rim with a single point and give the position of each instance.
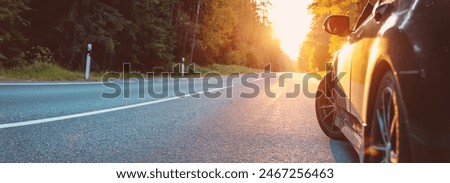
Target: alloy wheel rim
(328, 110)
(384, 141)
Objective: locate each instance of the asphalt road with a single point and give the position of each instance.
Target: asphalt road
(71, 122)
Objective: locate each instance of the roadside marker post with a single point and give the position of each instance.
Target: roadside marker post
(88, 61)
(182, 67)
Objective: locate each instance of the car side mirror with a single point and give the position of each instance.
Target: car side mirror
(337, 25)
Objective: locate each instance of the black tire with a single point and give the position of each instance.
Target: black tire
(326, 109)
(386, 137)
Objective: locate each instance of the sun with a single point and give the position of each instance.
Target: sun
(291, 24)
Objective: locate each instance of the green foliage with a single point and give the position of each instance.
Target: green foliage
(232, 33)
(67, 26)
(320, 47)
(147, 33)
(40, 71)
(149, 40)
(41, 54)
(219, 19)
(12, 32)
(315, 50)
(225, 69)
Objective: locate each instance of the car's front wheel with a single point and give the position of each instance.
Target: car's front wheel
(326, 109)
(385, 138)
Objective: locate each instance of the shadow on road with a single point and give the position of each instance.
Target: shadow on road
(343, 152)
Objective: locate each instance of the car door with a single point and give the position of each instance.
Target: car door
(346, 56)
(363, 39)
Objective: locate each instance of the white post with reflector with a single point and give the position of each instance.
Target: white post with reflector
(182, 67)
(88, 62)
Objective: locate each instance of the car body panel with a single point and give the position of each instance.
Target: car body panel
(412, 40)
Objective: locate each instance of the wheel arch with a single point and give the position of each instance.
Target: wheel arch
(378, 72)
(391, 52)
(394, 52)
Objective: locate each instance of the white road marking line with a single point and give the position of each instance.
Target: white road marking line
(78, 115)
(49, 84)
(82, 83)
(73, 83)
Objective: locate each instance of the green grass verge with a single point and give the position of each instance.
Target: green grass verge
(50, 72)
(40, 72)
(226, 69)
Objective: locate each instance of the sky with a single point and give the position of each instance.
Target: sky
(291, 24)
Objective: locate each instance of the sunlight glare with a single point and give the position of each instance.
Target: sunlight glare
(291, 24)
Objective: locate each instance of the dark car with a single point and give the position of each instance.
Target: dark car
(388, 89)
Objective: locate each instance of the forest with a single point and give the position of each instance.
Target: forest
(146, 33)
(155, 34)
